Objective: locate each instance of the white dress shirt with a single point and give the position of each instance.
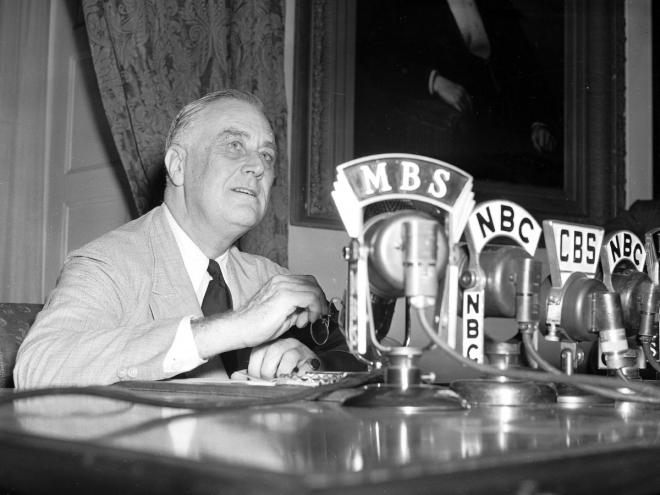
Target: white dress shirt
(183, 355)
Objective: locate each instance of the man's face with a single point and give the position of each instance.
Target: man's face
(230, 167)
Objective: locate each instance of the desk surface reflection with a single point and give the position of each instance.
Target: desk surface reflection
(324, 447)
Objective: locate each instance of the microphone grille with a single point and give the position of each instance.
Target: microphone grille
(387, 206)
(390, 342)
(392, 205)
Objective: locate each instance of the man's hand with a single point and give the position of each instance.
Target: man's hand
(280, 357)
(283, 302)
(542, 139)
(452, 94)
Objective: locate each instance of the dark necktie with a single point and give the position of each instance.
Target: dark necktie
(218, 300)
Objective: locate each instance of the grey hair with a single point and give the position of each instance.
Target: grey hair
(189, 114)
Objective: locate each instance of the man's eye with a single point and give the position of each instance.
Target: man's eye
(235, 146)
(268, 157)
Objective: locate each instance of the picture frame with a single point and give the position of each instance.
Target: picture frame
(593, 189)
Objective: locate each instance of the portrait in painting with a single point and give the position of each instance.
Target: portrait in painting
(527, 96)
(476, 83)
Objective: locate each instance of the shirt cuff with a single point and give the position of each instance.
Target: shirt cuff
(431, 80)
(183, 355)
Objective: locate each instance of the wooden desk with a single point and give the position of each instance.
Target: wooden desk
(79, 444)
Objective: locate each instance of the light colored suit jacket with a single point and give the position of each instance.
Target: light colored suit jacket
(117, 306)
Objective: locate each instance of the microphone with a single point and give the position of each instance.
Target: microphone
(407, 256)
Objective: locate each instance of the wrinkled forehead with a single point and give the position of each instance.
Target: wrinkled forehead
(236, 114)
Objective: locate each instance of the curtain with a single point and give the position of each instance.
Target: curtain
(23, 116)
(152, 57)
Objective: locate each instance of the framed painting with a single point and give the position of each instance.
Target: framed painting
(531, 103)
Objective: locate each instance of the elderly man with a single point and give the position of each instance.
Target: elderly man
(141, 302)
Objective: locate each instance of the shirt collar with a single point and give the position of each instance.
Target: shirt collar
(194, 259)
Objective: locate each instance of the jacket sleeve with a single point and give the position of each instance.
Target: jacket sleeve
(96, 328)
(395, 53)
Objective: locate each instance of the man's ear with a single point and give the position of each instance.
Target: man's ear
(175, 161)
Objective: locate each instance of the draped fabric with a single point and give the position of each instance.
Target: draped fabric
(152, 57)
(23, 117)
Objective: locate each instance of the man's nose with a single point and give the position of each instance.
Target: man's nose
(254, 165)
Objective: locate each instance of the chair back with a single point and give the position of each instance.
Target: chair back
(15, 321)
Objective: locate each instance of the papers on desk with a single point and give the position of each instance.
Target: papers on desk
(237, 378)
(242, 378)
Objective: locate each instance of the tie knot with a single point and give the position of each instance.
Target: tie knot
(214, 269)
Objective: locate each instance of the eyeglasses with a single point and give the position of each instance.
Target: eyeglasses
(320, 329)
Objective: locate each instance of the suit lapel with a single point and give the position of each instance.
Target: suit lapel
(172, 294)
